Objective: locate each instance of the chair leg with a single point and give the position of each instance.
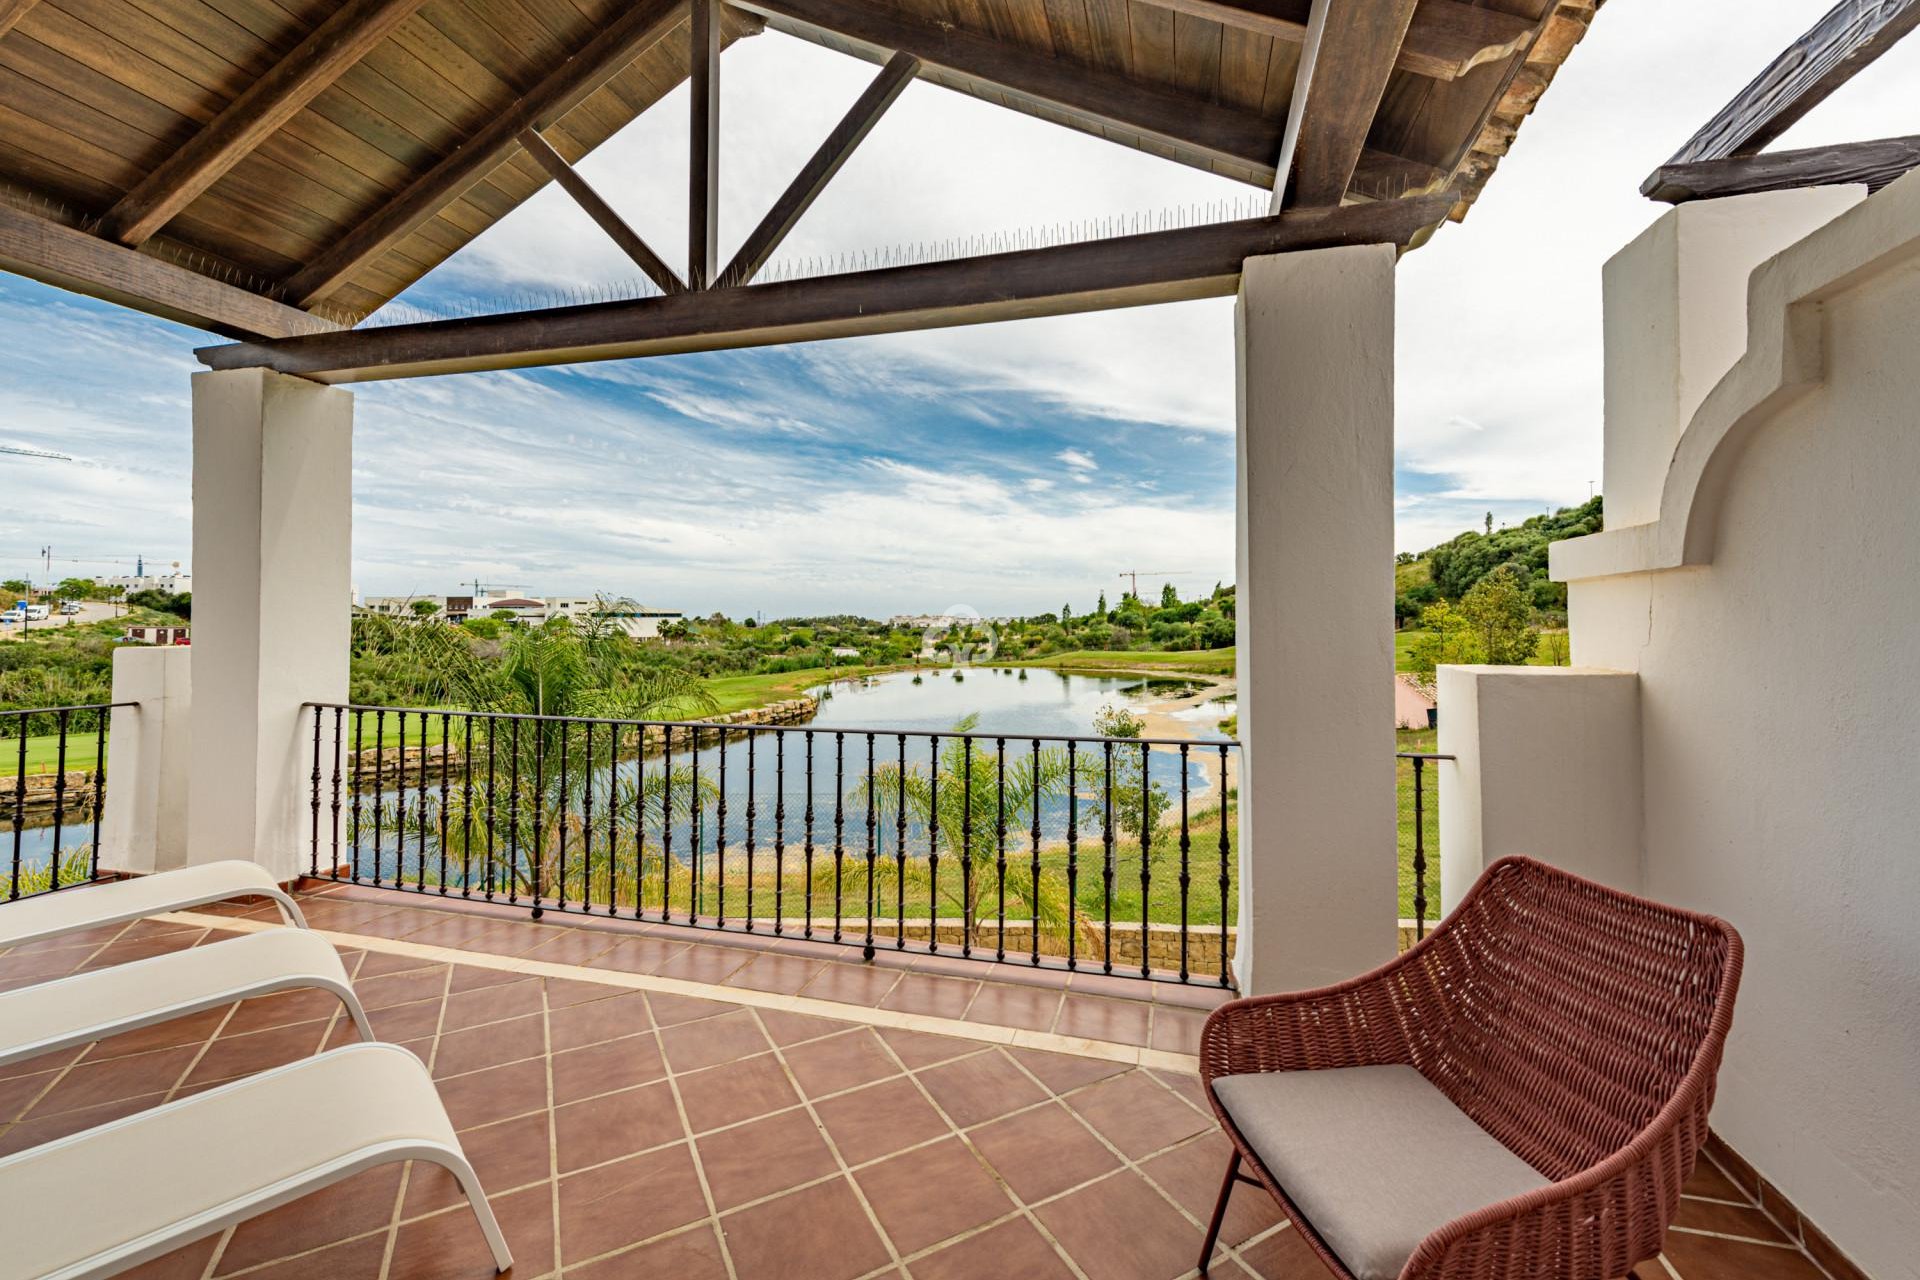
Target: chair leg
(1220, 1210)
(290, 912)
(456, 1164)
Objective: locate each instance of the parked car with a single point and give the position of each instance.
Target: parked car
(70, 608)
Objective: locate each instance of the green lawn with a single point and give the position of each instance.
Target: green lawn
(1419, 740)
(1403, 642)
(737, 693)
(43, 752)
(1206, 662)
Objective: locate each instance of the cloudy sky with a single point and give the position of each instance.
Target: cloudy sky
(1009, 467)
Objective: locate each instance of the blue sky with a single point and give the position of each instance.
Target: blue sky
(1010, 467)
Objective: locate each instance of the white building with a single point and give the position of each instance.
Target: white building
(175, 582)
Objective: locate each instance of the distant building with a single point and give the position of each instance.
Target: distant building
(455, 609)
(175, 583)
(154, 635)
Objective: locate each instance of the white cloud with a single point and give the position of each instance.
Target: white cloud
(1078, 459)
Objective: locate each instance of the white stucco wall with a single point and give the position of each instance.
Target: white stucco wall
(1780, 714)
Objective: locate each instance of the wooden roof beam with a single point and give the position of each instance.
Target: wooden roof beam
(1874, 163)
(821, 167)
(11, 11)
(616, 44)
(703, 145)
(1851, 35)
(600, 211)
(1445, 40)
(66, 258)
(329, 50)
(1350, 51)
(1163, 266)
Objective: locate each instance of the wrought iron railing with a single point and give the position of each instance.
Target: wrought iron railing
(1418, 822)
(55, 796)
(1110, 855)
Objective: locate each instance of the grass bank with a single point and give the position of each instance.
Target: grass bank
(1205, 662)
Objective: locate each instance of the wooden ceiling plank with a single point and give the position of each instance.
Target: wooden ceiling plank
(1163, 266)
(1446, 39)
(611, 48)
(1849, 37)
(11, 11)
(1874, 163)
(70, 259)
(821, 167)
(601, 212)
(703, 145)
(1350, 52)
(261, 109)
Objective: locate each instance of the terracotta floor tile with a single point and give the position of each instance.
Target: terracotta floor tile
(1191, 1174)
(932, 1194)
(671, 1010)
(451, 1246)
(404, 987)
(858, 984)
(40, 1064)
(493, 1004)
(116, 953)
(188, 1262)
(506, 1156)
(694, 1254)
(1042, 1152)
(1137, 1114)
(574, 1025)
(342, 1211)
(497, 1093)
(1012, 1249)
(472, 977)
(282, 1010)
(758, 1159)
(381, 963)
(638, 955)
(403, 1022)
(33, 1131)
(734, 1092)
(712, 1041)
(1187, 1085)
(42, 965)
(604, 1068)
(1033, 1008)
(785, 975)
(615, 1125)
(919, 1049)
(91, 1084)
(1097, 1018)
(231, 1057)
(923, 993)
(1065, 1072)
(840, 1062)
(480, 1047)
(703, 963)
(794, 1028)
(354, 1260)
(1729, 1220)
(1284, 1255)
(1707, 1180)
(17, 1091)
(879, 1120)
(574, 946)
(984, 1087)
(819, 1233)
(1709, 1258)
(618, 1204)
(1176, 1030)
(565, 993)
(171, 1034)
(1120, 1229)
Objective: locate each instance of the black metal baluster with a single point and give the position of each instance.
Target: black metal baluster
(1073, 858)
(466, 807)
(1225, 872)
(966, 848)
(1419, 851)
(751, 808)
(1106, 873)
(60, 721)
(839, 823)
(900, 854)
(493, 809)
(539, 798)
(779, 831)
(313, 858)
(19, 805)
(1000, 841)
(513, 811)
(1033, 886)
(359, 734)
(720, 841)
(933, 843)
(565, 796)
(100, 787)
(339, 732)
(446, 751)
(666, 825)
(807, 841)
(420, 816)
(379, 786)
(872, 826)
(586, 828)
(1146, 856)
(697, 813)
(1185, 878)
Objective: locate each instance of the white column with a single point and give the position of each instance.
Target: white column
(1318, 883)
(272, 549)
(149, 754)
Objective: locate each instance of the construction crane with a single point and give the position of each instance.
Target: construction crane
(1133, 577)
(35, 453)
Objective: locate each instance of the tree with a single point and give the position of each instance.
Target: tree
(1139, 802)
(1489, 524)
(1448, 640)
(1066, 615)
(424, 608)
(1101, 608)
(1500, 611)
(1168, 596)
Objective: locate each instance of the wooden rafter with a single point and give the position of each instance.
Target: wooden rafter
(1446, 39)
(1873, 163)
(601, 58)
(703, 145)
(1851, 35)
(11, 11)
(1350, 51)
(600, 211)
(1163, 266)
(43, 250)
(349, 34)
(820, 168)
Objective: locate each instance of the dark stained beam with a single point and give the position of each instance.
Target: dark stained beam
(67, 258)
(703, 146)
(821, 167)
(1446, 39)
(1851, 35)
(1163, 266)
(600, 211)
(11, 11)
(1874, 163)
(1350, 51)
(616, 44)
(349, 34)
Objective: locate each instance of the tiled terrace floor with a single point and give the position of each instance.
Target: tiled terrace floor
(625, 1126)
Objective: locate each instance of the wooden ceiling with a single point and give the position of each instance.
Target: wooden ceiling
(236, 163)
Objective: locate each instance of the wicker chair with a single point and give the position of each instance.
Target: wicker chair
(1577, 1027)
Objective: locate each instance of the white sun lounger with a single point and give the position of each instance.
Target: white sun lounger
(92, 1006)
(109, 1198)
(48, 915)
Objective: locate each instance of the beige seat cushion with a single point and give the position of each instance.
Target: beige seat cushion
(1376, 1158)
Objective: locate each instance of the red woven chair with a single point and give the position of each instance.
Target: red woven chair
(1569, 1033)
